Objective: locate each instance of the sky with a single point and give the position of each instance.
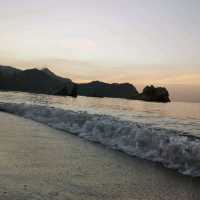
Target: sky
(138, 41)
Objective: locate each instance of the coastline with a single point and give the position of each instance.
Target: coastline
(37, 162)
(171, 147)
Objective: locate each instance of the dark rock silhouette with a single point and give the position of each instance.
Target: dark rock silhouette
(123, 90)
(101, 89)
(46, 82)
(74, 92)
(34, 80)
(151, 93)
(8, 72)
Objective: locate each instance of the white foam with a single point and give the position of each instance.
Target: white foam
(169, 147)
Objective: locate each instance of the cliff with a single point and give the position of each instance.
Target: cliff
(123, 90)
(35, 80)
(101, 89)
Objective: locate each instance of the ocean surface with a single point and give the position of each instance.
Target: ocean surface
(167, 133)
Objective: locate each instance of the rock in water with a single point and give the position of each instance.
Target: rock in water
(159, 94)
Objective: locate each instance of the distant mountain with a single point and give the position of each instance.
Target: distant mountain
(35, 80)
(46, 82)
(8, 71)
(123, 90)
(101, 89)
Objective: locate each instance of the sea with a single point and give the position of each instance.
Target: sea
(168, 133)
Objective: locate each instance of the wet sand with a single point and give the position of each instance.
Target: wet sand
(37, 162)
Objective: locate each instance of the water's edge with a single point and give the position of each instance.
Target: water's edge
(169, 147)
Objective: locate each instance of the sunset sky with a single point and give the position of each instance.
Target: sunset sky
(138, 41)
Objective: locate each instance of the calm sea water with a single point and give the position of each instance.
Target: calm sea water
(175, 115)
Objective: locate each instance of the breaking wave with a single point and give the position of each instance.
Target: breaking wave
(169, 147)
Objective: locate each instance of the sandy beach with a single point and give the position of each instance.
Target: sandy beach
(37, 162)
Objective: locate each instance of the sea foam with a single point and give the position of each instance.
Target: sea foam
(169, 147)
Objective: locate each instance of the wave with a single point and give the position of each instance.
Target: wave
(169, 147)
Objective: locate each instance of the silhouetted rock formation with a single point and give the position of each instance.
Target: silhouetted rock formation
(101, 89)
(151, 93)
(74, 92)
(34, 80)
(124, 90)
(46, 82)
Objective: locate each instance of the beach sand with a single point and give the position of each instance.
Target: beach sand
(37, 162)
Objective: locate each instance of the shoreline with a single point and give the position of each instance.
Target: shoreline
(172, 148)
(38, 162)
